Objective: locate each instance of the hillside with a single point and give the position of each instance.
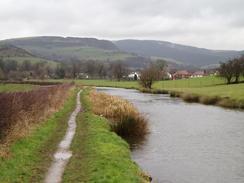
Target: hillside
(9, 52)
(136, 53)
(63, 49)
(175, 52)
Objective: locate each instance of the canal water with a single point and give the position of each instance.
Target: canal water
(188, 143)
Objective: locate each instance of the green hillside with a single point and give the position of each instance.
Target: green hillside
(65, 49)
(32, 60)
(13, 53)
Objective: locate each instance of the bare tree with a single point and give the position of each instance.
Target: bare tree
(236, 69)
(242, 64)
(101, 70)
(90, 68)
(1, 74)
(232, 68)
(118, 70)
(60, 71)
(161, 67)
(225, 71)
(74, 68)
(148, 76)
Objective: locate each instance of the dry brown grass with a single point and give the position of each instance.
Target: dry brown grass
(20, 111)
(124, 118)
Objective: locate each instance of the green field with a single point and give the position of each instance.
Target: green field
(210, 86)
(16, 87)
(205, 86)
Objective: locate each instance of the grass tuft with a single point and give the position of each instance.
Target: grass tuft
(124, 118)
(187, 97)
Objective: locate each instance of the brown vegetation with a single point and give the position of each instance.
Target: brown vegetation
(124, 118)
(148, 76)
(19, 110)
(194, 98)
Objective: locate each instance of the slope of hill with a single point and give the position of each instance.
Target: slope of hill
(185, 54)
(63, 49)
(9, 52)
(131, 51)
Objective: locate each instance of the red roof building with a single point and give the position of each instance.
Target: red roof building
(181, 74)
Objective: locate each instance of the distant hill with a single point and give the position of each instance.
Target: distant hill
(177, 53)
(136, 53)
(7, 50)
(63, 49)
(10, 52)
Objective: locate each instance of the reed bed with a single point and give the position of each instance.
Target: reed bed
(20, 110)
(124, 118)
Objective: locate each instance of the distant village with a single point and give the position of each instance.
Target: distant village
(179, 74)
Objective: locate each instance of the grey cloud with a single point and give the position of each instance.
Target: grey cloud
(193, 22)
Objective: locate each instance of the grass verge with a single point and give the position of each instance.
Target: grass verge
(16, 87)
(100, 155)
(30, 156)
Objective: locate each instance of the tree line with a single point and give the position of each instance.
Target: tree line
(13, 70)
(232, 70)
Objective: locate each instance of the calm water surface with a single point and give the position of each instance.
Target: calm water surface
(188, 143)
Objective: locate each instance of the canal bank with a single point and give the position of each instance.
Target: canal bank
(189, 142)
(100, 155)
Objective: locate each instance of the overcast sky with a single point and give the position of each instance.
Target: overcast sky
(216, 24)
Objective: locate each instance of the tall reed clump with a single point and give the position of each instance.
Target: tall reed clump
(124, 118)
(19, 110)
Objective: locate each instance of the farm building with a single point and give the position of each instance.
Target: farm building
(181, 74)
(134, 76)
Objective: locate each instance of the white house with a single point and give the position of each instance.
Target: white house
(134, 76)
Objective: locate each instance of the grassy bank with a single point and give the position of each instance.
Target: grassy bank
(204, 90)
(16, 87)
(207, 90)
(99, 155)
(31, 155)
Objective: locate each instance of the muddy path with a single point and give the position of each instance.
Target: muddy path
(63, 153)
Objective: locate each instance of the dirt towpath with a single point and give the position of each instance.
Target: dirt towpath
(63, 154)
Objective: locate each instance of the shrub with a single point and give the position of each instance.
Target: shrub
(124, 118)
(228, 103)
(174, 94)
(148, 76)
(190, 97)
(19, 110)
(208, 100)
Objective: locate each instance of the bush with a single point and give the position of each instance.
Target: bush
(124, 118)
(174, 94)
(190, 97)
(148, 76)
(19, 110)
(208, 100)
